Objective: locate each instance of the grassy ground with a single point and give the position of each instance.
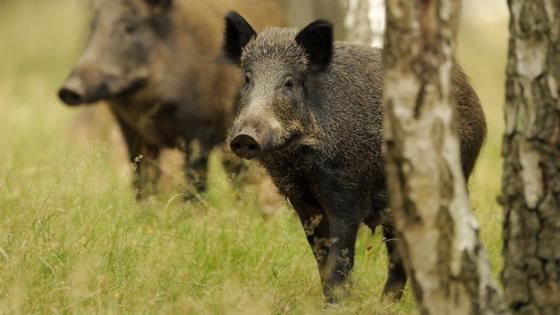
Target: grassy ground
(73, 240)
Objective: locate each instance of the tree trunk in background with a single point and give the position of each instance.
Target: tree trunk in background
(446, 263)
(301, 13)
(531, 151)
(357, 22)
(365, 22)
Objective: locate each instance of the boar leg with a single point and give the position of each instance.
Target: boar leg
(316, 227)
(340, 260)
(196, 170)
(144, 159)
(396, 278)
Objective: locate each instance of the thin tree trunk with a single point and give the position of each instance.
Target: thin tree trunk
(531, 151)
(357, 22)
(365, 22)
(448, 267)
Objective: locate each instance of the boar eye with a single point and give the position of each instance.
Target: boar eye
(247, 78)
(289, 84)
(130, 28)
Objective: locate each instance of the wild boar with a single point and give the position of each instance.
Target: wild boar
(311, 112)
(155, 62)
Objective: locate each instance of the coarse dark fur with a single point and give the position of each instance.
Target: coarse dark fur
(319, 106)
(156, 63)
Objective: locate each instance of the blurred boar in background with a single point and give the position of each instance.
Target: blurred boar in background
(155, 62)
(311, 112)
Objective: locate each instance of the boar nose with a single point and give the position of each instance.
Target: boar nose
(70, 97)
(245, 146)
(72, 93)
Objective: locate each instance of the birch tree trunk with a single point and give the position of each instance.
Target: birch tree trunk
(531, 151)
(446, 263)
(357, 22)
(365, 22)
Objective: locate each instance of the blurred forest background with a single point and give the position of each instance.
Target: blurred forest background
(72, 238)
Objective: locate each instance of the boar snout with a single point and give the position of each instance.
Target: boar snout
(72, 92)
(85, 86)
(245, 146)
(249, 142)
(70, 97)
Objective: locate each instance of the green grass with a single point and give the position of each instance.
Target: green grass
(73, 240)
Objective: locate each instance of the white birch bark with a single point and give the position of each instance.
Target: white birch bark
(446, 263)
(365, 22)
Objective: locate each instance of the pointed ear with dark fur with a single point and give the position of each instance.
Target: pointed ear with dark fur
(237, 35)
(160, 3)
(159, 6)
(317, 41)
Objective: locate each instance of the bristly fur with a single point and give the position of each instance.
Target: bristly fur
(327, 157)
(276, 44)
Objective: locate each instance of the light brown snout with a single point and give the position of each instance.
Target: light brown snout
(249, 142)
(85, 85)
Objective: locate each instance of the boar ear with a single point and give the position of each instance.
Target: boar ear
(317, 41)
(160, 4)
(237, 35)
